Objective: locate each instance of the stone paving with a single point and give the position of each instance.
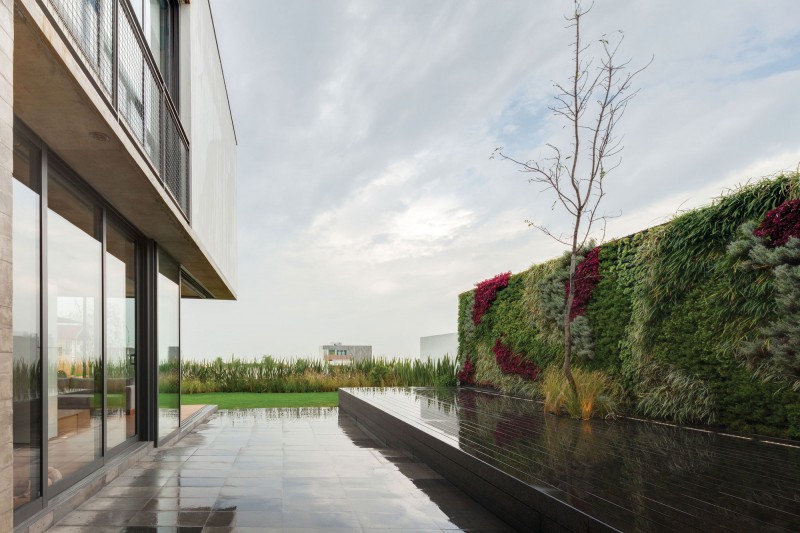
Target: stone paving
(268, 470)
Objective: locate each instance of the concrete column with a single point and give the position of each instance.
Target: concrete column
(6, 339)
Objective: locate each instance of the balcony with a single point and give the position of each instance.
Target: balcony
(106, 36)
(90, 90)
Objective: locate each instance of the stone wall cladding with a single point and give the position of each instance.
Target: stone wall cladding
(6, 342)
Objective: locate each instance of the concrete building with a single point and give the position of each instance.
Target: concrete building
(117, 199)
(336, 352)
(435, 347)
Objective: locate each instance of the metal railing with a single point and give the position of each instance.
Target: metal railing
(107, 36)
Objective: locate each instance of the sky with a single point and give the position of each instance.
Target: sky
(367, 198)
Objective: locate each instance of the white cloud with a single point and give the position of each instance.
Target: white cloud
(388, 219)
(367, 199)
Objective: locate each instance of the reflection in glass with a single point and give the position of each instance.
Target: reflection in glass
(74, 331)
(168, 344)
(156, 28)
(158, 24)
(188, 291)
(120, 336)
(27, 366)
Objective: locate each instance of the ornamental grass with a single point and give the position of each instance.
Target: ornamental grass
(303, 375)
(596, 396)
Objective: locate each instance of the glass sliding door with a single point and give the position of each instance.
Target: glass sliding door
(77, 272)
(168, 311)
(74, 322)
(120, 313)
(27, 366)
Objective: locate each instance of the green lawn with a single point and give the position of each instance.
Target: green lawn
(114, 400)
(250, 400)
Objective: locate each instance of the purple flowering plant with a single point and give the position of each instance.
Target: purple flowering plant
(780, 224)
(485, 294)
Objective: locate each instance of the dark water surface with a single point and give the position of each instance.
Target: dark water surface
(633, 475)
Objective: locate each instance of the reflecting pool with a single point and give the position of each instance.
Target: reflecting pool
(630, 474)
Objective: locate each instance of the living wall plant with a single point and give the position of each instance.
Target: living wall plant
(696, 320)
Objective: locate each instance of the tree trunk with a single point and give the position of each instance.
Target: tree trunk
(578, 207)
(567, 322)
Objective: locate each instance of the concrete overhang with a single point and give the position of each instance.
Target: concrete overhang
(60, 102)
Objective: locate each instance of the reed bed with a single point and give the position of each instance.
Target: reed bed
(303, 375)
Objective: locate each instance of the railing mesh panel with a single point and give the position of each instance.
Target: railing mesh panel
(130, 84)
(141, 95)
(176, 162)
(90, 25)
(152, 117)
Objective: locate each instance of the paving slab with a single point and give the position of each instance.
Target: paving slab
(304, 469)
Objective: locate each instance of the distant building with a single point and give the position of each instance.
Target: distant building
(336, 352)
(435, 347)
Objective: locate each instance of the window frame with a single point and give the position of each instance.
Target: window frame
(169, 56)
(47, 160)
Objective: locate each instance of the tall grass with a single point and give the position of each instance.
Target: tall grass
(303, 375)
(596, 393)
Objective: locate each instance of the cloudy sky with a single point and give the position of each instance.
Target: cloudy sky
(367, 198)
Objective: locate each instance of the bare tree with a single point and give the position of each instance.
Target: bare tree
(591, 104)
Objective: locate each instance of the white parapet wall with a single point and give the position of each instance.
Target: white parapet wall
(206, 114)
(436, 347)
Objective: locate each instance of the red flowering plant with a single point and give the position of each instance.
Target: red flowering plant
(780, 224)
(512, 363)
(513, 427)
(466, 376)
(470, 402)
(466, 404)
(485, 294)
(587, 276)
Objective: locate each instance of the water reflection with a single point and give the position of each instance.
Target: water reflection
(278, 414)
(308, 469)
(630, 474)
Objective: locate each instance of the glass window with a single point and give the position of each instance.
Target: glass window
(120, 336)
(27, 366)
(159, 25)
(75, 362)
(69, 354)
(156, 35)
(168, 311)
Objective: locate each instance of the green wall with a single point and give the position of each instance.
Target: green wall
(683, 318)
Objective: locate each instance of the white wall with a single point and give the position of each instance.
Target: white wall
(206, 116)
(437, 346)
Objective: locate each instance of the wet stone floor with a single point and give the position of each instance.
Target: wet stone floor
(306, 469)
